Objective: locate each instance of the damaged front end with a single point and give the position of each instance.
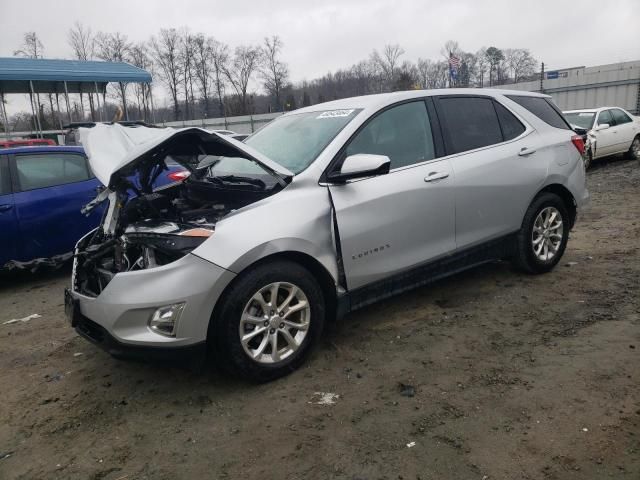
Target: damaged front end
(142, 228)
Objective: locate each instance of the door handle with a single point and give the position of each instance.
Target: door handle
(4, 208)
(524, 151)
(433, 176)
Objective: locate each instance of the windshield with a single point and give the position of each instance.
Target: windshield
(581, 119)
(295, 141)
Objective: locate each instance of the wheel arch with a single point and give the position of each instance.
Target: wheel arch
(316, 268)
(566, 196)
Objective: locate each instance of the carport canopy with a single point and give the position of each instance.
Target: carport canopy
(50, 76)
(39, 75)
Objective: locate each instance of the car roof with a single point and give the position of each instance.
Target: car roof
(42, 149)
(591, 110)
(380, 100)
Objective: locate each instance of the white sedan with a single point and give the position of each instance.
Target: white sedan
(610, 130)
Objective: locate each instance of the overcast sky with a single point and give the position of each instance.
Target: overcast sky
(323, 35)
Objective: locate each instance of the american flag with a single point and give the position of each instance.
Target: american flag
(454, 62)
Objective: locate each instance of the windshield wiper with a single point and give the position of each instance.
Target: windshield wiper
(239, 179)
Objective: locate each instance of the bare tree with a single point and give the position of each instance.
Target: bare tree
(246, 60)
(494, 57)
(203, 64)
(275, 72)
(31, 47)
(482, 63)
(521, 62)
(81, 41)
(139, 56)
(114, 47)
(388, 62)
(432, 74)
(220, 58)
(166, 53)
(186, 54)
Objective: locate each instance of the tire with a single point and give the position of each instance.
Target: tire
(240, 302)
(526, 257)
(634, 150)
(588, 159)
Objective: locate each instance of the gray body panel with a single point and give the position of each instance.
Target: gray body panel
(387, 224)
(392, 222)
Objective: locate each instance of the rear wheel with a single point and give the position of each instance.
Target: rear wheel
(634, 149)
(268, 321)
(543, 236)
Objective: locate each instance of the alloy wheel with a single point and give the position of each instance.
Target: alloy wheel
(275, 322)
(546, 236)
(635, 148)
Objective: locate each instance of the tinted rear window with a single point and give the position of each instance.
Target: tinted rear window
(511, 126)
(470, 122)
(619, 116)
(542, 108)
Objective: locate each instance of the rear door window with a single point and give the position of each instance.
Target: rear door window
(511, 126)
(542, 108)
(402, 133)
(50, 169)
(605, 117)
(619, 116)
(469, 123)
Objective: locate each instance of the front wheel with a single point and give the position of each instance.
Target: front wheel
(268, 321)
(543, 235)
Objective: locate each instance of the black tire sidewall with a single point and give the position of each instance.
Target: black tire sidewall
(631, 153)
(588, 159)
(527, 257)
(224, 337)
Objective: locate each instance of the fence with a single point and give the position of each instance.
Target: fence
(241, 124)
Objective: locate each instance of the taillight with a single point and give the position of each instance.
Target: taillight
(178, 176)
(578, 142)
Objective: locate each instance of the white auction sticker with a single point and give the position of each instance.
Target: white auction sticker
(335, 113)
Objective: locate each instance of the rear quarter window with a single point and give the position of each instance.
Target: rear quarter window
(542, 108)
(511, 126)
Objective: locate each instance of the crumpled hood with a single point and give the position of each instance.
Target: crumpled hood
(114, 148)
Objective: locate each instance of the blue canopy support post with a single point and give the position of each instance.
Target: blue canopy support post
(37, 110)
(66, 97)
(95, 84)
(123, 89)
(4, 116)
(58, 108)
(153, 110)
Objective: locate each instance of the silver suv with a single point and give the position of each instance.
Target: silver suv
(325, 210)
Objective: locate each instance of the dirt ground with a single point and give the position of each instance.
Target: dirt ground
(513, 376)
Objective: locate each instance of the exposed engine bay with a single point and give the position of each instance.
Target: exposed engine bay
(142, 228)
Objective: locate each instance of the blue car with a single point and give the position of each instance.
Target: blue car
(42, 190)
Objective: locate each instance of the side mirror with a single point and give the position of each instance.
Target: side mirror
(360, 165)
(602, 126)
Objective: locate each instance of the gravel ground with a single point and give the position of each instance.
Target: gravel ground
(490, 374)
